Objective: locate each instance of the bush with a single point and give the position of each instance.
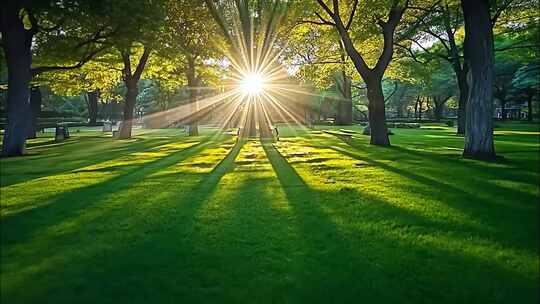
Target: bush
(450, 123)
(403, 125)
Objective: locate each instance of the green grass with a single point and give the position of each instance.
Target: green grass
(165, 218)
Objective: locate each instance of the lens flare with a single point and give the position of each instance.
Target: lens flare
(252, 84)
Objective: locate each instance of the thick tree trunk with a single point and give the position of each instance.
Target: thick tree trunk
(131, 81)
(262, 121)
(462, 101)
(377, 115)
(249, 127)
(438, 111)
(131, 98)
(92, 102)
(35, 109)
(479, 56)
(529, 107)
(17, 49)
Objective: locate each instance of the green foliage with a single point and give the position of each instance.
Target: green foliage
(527, 80)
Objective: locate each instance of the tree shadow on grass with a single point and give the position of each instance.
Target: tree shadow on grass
(121, 246)
(341, 266)
(81, 153)
(501, 218)
(19, 227)
(164, 249)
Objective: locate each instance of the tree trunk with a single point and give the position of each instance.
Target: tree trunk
(193, 127)
(249, 129)
(377, 115)
(92, 102)
(129, 106)
(262, 121)
(131, 80)
(35, 109)
(420, 105)
(529, 107)
(479, 56)
(462, 101)
(437, 112)
(503, 109)
(344, 107)
(416, 103)
(17, 49)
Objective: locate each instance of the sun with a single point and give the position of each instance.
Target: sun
(252, 84)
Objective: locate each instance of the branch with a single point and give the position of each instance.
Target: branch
(33, 21)
(389, 27)
(393, 92)
(411, 53)
(326, 8)
(324, 21)
(96, 37)
(499, 11)
(141, 64)
(38, 70)
(348, 26)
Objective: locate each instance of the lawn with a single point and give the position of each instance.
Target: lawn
(165, 218)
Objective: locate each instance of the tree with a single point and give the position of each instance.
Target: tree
(479, 56)
(95, 81)
(250, 29)
(191, 34)
(138, 25)
(27, 28)
(443, 23)
(526, 83)
(372, 76)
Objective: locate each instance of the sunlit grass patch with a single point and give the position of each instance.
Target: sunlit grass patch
(139, 158)
(204, 161)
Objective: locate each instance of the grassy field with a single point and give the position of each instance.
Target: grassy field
(165, 218)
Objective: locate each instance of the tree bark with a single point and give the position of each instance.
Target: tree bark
(262, 121)
(129, 106)
(437, 112)
(420, 105)
(416, 103)
(344, 107)
(193, 127)
(463, 87)
(503, 109)
(371, 76)
(377, 115)
(131, 80)
(249, 129)
(16, 43)
(92, 102)
(35, 109)
(529, 107)
(479, 57)
(460, 67)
